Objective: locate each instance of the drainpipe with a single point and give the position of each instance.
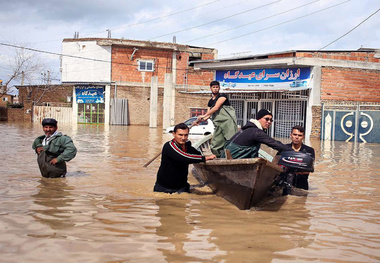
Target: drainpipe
(133, 53)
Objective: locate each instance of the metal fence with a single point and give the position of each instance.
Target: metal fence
(351, 123)
(288, 108)
(61, 114)
(119, 112)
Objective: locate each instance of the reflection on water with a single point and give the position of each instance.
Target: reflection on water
(105, 210)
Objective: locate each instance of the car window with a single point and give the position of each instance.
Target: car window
(190, 121)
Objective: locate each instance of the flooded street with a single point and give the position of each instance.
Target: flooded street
(105, 210)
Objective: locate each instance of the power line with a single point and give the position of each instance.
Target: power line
(350, 30)
(78, 57)
(142, 22)
(285, 22)
(158, 18)
(217, 20)
(250, 23)
(194, 16)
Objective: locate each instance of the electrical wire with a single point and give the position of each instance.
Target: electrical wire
(350, 30)
(157, 18)
(78, 57)
(250, 23)
(217, 20)
(282, 23)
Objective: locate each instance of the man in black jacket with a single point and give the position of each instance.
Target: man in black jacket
(297, 135)
(246, 143)
(176, 156)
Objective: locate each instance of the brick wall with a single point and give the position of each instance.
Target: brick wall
(126, 70)
(19, 115)
(28, 95)
(350, 85)
(348, 56)
(44, 94)
(187, 101)
(316, 122)
(139, 104)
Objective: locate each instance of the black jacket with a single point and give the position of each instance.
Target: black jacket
(251, 136)
(174, 166)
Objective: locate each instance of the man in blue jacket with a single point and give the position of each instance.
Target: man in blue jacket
(53, 150)
(176, 156)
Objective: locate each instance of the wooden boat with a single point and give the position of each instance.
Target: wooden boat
(243, 182)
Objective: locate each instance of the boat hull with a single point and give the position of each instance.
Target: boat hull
(242, 182)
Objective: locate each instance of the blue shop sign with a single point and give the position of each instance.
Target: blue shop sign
(264, 78)
(89, 94)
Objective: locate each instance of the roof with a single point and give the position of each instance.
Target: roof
(266, 55)
(141, 43)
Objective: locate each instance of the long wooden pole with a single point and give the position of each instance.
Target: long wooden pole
(158, 154)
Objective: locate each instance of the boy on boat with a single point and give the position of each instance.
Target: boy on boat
(223, 116)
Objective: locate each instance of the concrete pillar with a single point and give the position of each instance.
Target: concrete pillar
(168, 85)
(75, 107)
(172, 102)
(153, 102)
(107, 102)
(314, 98)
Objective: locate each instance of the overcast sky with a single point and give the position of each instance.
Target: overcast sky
(235, 28)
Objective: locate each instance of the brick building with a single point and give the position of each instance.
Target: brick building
(122, 72)
(320, 90)
(41, 101)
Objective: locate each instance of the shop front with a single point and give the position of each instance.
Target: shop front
(90, 104)
(283, 91)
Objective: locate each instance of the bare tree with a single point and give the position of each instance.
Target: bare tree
(24, 66)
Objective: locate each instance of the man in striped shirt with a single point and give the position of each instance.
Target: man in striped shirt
(176, 156)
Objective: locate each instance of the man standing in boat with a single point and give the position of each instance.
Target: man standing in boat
(223, 116)
(297, 135)
(246, 143)
(176, 156)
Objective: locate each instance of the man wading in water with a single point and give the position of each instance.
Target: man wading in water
(223, 116)
(176, 156)
(54, 150)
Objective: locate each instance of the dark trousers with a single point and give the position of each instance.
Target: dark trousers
(48, 170)
(159, 188)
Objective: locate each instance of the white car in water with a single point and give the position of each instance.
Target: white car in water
(204, 128)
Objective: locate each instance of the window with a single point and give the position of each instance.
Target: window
(194, 112)
(5, 99)
(145, 65)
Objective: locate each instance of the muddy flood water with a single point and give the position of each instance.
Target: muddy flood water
(105, 210)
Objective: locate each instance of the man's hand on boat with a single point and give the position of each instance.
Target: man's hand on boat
(210, 157)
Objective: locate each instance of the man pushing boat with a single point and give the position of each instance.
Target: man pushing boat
(176, 156)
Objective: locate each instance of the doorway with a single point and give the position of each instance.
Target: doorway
(91, 113)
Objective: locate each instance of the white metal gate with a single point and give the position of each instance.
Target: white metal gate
(119, 112)
(288, 108)
(61, 114)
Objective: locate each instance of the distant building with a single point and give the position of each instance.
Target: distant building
(109, 74)
(6, 100)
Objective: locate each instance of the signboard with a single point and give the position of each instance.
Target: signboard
(253, 79)
(89, 94)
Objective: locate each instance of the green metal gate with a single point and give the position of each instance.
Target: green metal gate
(91, 113)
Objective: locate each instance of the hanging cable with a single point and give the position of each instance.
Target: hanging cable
(282, 23)
(350, 30)
(217, 20)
